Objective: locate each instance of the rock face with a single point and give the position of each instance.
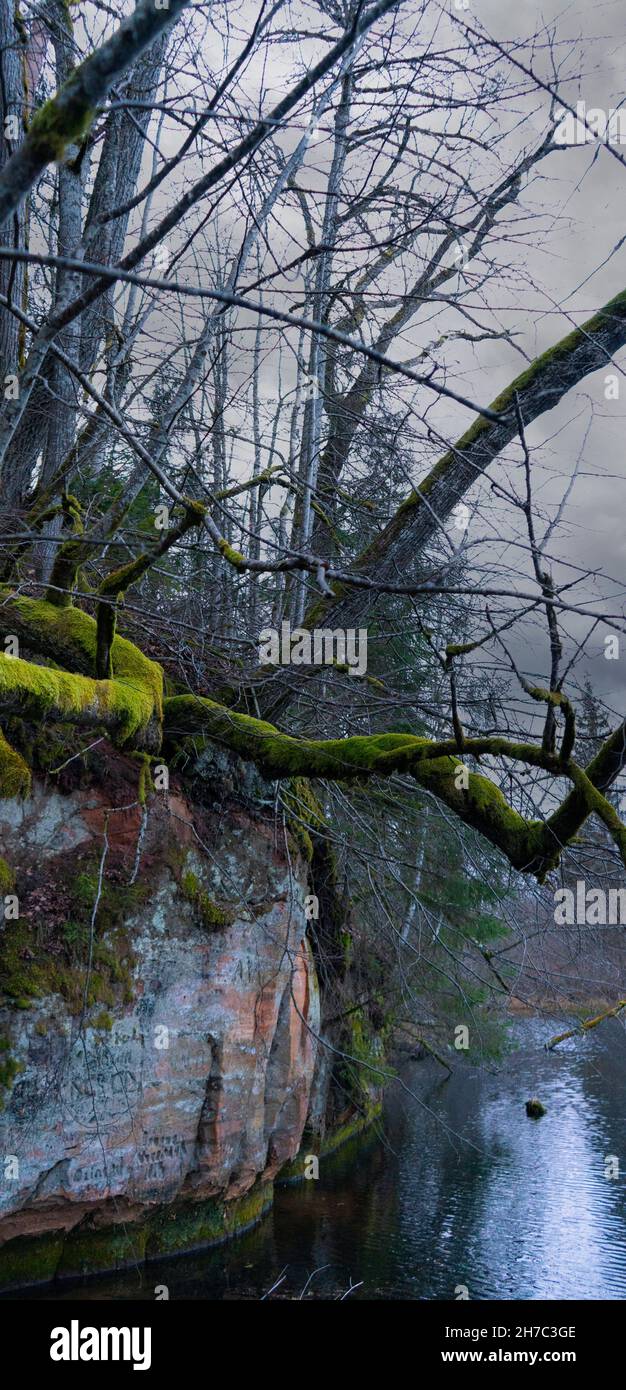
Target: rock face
(171, 1063)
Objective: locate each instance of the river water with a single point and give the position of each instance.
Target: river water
(457, 1189)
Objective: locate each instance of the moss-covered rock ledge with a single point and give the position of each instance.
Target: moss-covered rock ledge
(119, 1239)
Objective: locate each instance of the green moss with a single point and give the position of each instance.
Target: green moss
(68, 557)
(192, 1225)
(363, 1071)
(115, 974)
(123, 706)
(9, 1069)
(128, 703)
(15, 777)
(304, 815)
(26, 1261)
(481, 805)
(234, 557)
(84, 890)
(159, 1232)
(7, 878)
(103, 1020)
(29, 970)
(502, 406)
(323, 1146)
(46, 746)
(504, 402)
(284, 755)
(279, 755)
(196, 511)
(145, 784)
(212, 917)
(76, 937)
(88, 1249)
(119, 580)
(63, 120)
(69, 637)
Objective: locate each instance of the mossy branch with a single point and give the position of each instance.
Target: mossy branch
(564, 823)
(123, 707)
(537, 389)
(69, 556)
(586, 1025)
(118, 581)
(68, 637)
(473, 797)
(66, 118)
(530, 846)
(598, 803)
(557, 700)
(129, 705)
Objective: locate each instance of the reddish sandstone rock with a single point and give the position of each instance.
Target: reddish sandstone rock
(200, 1086)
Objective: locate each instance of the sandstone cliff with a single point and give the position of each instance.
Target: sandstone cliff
(159, 1015)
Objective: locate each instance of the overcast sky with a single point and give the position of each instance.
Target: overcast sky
(578, 264)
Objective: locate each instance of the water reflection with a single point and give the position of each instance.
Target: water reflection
(527, 1212)
(468, 1191)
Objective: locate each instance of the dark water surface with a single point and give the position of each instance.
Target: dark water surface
(466, 1192)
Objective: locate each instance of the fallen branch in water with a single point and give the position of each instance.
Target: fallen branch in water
(585, 1026)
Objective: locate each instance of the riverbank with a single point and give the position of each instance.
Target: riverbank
(125, 1241)
(454, 1187)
